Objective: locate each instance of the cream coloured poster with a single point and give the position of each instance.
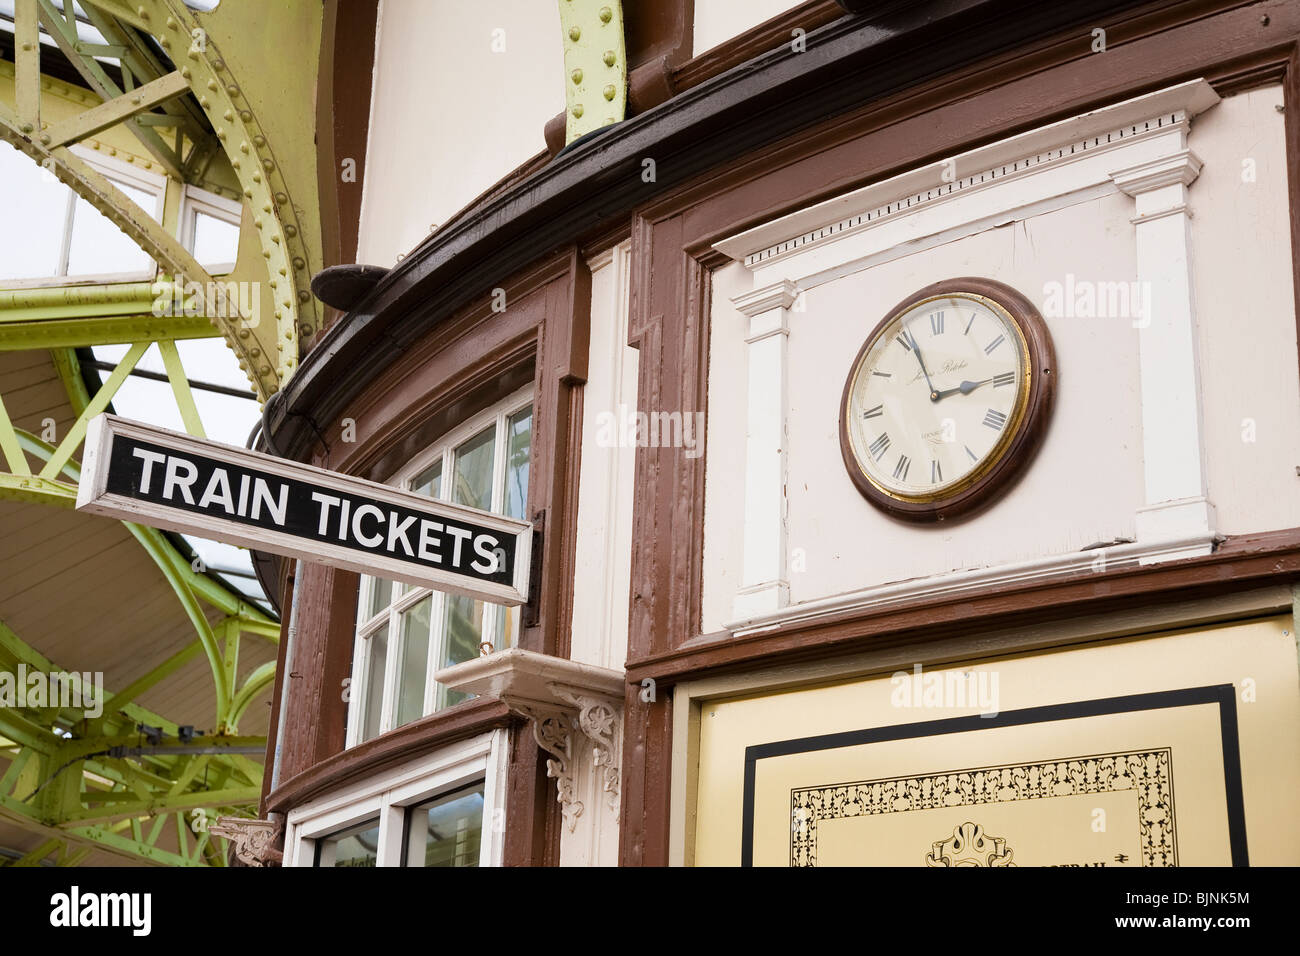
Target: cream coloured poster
(1176, 750)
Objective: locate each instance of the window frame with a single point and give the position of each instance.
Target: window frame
(442, 450)
(391, 795)
(114, 170)
(194, 201)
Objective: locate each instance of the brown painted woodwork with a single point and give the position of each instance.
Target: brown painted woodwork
(413, 740)
(1240, 563)
(1029, 430)
(318, 664)
(768, 35)
(269, 761)
(347, 61)
(658, 29)
(481, 355)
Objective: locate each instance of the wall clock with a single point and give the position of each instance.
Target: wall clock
(948, 399)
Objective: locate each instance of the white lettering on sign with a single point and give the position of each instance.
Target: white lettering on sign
(139, 472)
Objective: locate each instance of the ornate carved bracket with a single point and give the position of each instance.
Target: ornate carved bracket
(254, 840)
(565, 702)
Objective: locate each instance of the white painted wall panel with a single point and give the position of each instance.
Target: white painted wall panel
(449, 115)
(1084, 487)
(1241, 247)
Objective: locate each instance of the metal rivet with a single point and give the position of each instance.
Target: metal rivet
(574, 34)
(609, 91)
(606, 14)
(577, 111)
(610, 59)
(576, 76)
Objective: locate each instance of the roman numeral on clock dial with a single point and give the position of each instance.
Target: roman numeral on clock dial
(994, 419)
(1006, 378)
(936, 323)
(874, 412)
(900, 469)
(879, 446)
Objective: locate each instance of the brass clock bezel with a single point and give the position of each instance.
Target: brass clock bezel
(1020, 439)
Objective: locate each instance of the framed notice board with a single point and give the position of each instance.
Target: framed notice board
(1176, 750)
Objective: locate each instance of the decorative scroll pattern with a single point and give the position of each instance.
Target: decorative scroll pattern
(553, 731)
(1149, 773)
(598, 721)
(969, 845)
(254, 840)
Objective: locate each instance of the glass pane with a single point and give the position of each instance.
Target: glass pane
(216, 242)
(472, 474)
(32, 196)
(464, 632)
(507, 626)
(381, 595)
(355, 846)
(415, 661)
(377, 652)
(429, 482)
(99, 247)
(519, 441)
(447, 831)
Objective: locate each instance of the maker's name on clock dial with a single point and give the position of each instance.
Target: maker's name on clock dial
(940, 393)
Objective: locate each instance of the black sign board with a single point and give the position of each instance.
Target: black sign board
(153, 476)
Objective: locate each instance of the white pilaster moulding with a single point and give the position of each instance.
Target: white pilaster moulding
(765, 585)
(1177, 491)
(1049, 168)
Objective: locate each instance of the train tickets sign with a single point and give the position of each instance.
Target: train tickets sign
(138, 472)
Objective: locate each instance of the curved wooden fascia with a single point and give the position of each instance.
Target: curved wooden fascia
(845, 64)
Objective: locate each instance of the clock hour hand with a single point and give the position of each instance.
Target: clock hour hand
(965, 388)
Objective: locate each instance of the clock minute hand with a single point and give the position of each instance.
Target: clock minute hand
(965, 388)
(916, 349)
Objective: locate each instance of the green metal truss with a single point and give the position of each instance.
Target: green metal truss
(101, 784)
(213, 115)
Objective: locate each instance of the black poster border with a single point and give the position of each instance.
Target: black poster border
(1222, 694)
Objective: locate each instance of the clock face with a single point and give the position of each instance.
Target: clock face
(941, 394)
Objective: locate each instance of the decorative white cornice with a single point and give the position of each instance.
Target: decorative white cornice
(779, 295)
(1055, 145)
(1180, 168)
(558, 697)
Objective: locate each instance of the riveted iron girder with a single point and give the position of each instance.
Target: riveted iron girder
(595, 65)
